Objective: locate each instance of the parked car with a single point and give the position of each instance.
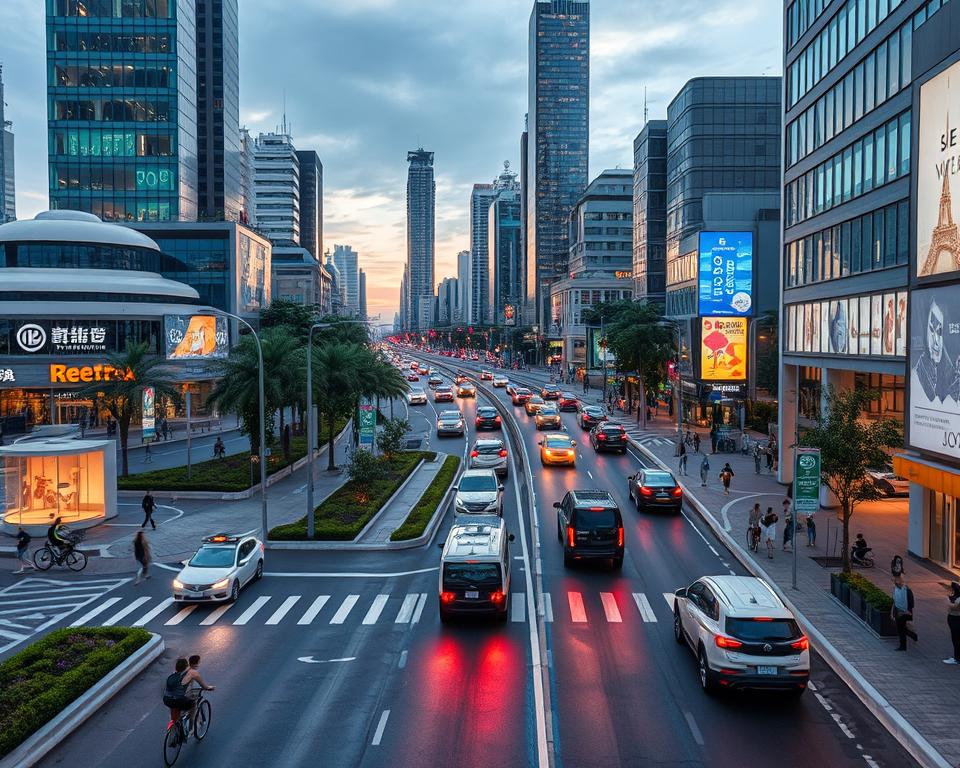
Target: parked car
(654, 489)
(889, 482)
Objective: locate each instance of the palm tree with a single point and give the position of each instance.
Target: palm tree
(285, 367)
(122, 395)
(377, 379)
(335, 380)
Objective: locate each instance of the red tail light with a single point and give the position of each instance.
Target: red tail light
(571, 537)
(728, 642)
(478, 421)
(474, 454)
(677, 491)
(497, 596)
(503, 453)
(498, 419)
(620, 536)
(447, 597)
(644, 491)
(601, 436)
(802, 644)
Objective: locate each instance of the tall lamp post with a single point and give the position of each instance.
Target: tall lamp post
(263, 455)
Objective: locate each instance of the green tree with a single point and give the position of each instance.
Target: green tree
(335, 367)
(376, 379)
(362, 470)
(390, 439)
(288, 314)
(285, 365)
(122, 395)
(850, 445)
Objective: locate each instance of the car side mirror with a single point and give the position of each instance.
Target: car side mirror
(244, 561)
(682, 592)
(511, 537)
(556, 505)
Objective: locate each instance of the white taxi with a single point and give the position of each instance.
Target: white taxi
(220, 568)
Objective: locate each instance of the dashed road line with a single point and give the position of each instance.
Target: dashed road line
(378, 734)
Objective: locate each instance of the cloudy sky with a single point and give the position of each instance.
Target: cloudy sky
(366, 80)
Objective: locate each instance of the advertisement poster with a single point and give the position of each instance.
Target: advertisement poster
(806, 481)
(838, 327)
(934, 372)
(876, 324)
(368, 426)
(149, 423)
(902, 323)
(938, 170)
(723, 349)
(726, 273)
(195, 337)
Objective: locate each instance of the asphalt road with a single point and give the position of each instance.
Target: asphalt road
(340, 659)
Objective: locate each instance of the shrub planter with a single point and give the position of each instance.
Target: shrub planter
(856, 603)
(881, 622)
(836, 586)
(845, 593)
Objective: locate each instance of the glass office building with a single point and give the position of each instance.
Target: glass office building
(650, 211)
(122, 108)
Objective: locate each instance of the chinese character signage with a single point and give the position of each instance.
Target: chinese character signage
(195, 337)
(806, 481)
(723, 349)
(149, 423)
(726, 273)
(58, 337)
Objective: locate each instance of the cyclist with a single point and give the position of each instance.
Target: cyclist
(58, 538)
(179, 694)
(753, 524)
(859, 550)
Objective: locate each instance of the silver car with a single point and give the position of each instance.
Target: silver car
(450, 423)
(490, 454)
(479, 493)
(416, 396)
(223, 564)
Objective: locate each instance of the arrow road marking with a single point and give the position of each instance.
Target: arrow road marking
(311, 660)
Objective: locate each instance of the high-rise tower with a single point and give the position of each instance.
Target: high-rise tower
(421, 207)
(8, 192)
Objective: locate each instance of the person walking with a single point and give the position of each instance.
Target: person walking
(756, 458)
(682, 452)
(903, 611)
(953, 621)
(704, 469)
(811, 530)
(148, 505)
(713, 439)
(768, 453)
(23, 545)
(726, 475)
(787, 526)
(896, 566)
(769, 526)
(696, 442)
(141, 553)
(147, 455)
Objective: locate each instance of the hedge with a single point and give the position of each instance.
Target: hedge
(43, 679)
(872, 594)
(340, 517)
(421, 514)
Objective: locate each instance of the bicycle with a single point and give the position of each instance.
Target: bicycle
(179, 731)
(863, 562)
(45, 557)
(753, 538)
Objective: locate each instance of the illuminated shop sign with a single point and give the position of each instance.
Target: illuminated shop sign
(723, 349)
(7, 374)
(195, 337)
(726, 273)
(76, 374)
(58, 337)
(623, 275)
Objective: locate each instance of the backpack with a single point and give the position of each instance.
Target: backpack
(770, 518)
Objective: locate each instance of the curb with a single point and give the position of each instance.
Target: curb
(31, 751)
(426, 538)
(891, 719)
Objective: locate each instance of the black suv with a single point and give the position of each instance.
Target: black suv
(590, 527)
(487, 418)
(607, 436)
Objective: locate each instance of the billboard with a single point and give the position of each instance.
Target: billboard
(938, 206)
(597, 351)
(934, 376)
(149, 423)
(195, 337)
(723, 349)
(509, 315)
(725, 277)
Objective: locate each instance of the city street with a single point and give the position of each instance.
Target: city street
(343, 655)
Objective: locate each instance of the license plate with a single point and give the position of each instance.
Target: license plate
(766, 670)
(471, 594)
(190, 593)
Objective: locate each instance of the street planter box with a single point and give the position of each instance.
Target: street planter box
(845, 593)
(857, 604)
(836, 586)
(881, 622)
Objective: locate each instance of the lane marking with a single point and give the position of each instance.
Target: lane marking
(344, 610)
(378, 734)
(313, 610)
(610, 608)
(546, 607)
(13, 635)
(311, 660)
(694, 729)
(578, 613)
(184, 612)
(406, 610)
(96, 611)
(153, 613)
(373, 614)
(350, 575)
(670, 598)
(252, 610)
(590, 474)
(713, 550)
(124, 611)
(843, 726)
(403, 660)
(215, 614)
(282, 611)
(420, 603)
(646, 610)
(517, 607)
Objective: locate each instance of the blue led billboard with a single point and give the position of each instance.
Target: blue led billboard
(726, 274)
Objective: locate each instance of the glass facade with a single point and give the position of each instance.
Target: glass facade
(650, 211)
(558, 127)
(421, 214)
(504, 243)
(204, 264)
(121, 103)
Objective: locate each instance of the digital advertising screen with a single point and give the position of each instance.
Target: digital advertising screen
(195, 337)
(725, 276)
(723, 349)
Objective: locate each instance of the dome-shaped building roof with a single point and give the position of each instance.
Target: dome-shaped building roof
(73, 227)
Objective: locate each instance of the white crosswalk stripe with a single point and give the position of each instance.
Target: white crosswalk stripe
(344, 610)
(315, 607)
(125, 611)
(252, 610)
(421, 602)
(183, 613)
(518, 607)
(578, 614)
(643, 605)
(153, 613)
(96, 611)
(610, 608)
(282, 611)
(670, 598)
(214, 616)
(379, 603)
(406, 610)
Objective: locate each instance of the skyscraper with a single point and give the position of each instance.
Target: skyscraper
(348, 265)
(362, 298)
(276, 187)
(121, 100)
(558, 136)
(311, 201)
(248, 213)
(421, 207)
(8, 192)
(650, 211)
(527, 297)
(218, 110)
(462, 313)
(480, 199)
(504, 260)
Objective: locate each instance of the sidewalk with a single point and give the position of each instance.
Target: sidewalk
(916, 683)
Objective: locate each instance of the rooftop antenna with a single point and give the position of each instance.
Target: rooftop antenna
(284, 110)
(645, 110)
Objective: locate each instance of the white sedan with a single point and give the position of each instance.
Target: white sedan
(417, 396)
(223, 564)
(500, 381)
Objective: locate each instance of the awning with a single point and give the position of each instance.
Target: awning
(935, 477)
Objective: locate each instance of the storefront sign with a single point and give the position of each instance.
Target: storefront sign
(806, 481)
(623, 274)
(725, 278)
(195, 337)
(149, 422)
(934, 383)
(57, 337)
(723, 349)
(735, 389)
(7, 374)
(75, 374)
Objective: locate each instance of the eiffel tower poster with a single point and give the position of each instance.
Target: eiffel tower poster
(944, 252)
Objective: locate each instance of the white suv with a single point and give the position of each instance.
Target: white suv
(742, 634)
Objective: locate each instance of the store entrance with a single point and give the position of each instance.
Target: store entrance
(944, 532)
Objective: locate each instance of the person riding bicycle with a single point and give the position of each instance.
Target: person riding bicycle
(58, 537)
(218, 448)
(859, 550)
(176, 694)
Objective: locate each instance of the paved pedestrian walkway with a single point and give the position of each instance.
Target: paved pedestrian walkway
(916, 683)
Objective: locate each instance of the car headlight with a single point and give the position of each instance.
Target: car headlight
(220, 584)
(177, 584)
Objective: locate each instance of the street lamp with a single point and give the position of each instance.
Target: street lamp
(263, 456)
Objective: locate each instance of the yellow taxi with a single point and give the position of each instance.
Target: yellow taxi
(556, 448)
(533, 405)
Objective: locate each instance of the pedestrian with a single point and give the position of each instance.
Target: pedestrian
(704, 469)
(787, 526)
(218, 448)
(756, 458)
(713, 439)
(148, 505)
(769, 454)
(696, 442)
(141, 553)
(953, 621)
(769, 524)
(726, 475)
(165, 428)
(23, 544)
(896, 566)
(903, 611)
(683, 459)
(811, 530)
(147, 455)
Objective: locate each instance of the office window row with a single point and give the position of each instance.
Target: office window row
(876, 240)
(874, 325)
(880, 76)
(117, 9)
(800, 17)
(113, 75)
(93, 38)
(112, 176)
(116, 209)
(104, 142)
(848, 27)
(870, 162)
(142, 110)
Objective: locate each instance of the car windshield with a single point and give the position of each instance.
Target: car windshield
(558, 442)
(523, 391)
(213, 557)
(549, 410)
(592, 410)
(471, 575)
(659, 478)
(488, 448)
(450, 415)
(772, 631)
(591, 520)
(443, 389)
(486, 412)
(536, 399)
(477, 483)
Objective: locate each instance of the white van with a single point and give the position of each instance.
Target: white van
(475, 568)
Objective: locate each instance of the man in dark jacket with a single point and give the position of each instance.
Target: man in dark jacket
(148, 505)
(903, 611)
